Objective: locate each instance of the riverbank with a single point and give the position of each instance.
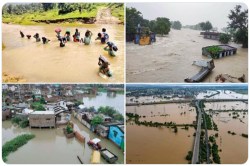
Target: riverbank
(83, 16)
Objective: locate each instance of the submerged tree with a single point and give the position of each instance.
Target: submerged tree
(239, 23)
(176, 25)
(162, 25)
(206, 26)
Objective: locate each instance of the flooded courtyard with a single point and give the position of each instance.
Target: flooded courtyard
(167, 58)
(36, 62)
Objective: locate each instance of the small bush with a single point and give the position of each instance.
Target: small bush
(224, 38)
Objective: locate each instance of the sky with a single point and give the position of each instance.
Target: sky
(188, 13)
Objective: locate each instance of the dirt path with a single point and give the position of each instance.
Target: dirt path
(104, 17)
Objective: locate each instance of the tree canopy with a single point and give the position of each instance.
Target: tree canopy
(176, 25)
(206, 26)
(160, 25)
(96, 120)
(239, 24)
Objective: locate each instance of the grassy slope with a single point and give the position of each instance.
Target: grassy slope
(26, 19)
(118, 12)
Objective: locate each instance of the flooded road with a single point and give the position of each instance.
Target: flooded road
(36, 62)
(104, 99)
(50, 146)
(159, 145)
(170, 59)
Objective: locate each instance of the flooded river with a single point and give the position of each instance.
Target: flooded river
(50, 146)
(159, 145)
(104, 99)
(36, 62)
(170, 59)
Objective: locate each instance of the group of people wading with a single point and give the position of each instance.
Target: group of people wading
(110, 47)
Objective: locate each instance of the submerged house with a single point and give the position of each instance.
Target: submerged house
(116, 135)
(42, 119)
(211, 35)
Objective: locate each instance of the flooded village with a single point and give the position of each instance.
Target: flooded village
(186, 123)
(197, 38)
(63, 124)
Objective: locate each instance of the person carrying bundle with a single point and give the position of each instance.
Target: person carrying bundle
(111, 48)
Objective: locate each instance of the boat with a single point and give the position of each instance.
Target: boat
(108, 156)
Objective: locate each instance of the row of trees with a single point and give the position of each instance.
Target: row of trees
(160, 25)
(63, 8)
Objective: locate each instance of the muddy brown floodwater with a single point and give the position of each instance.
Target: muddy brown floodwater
(50, 146)
(36, 62)
(234, 147)
(153, 145)
(170, 59)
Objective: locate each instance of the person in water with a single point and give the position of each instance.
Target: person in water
(62, 42)
(36, 36)
(76, 36)
(103, 37)
(111, 48)
(104, 66)
(28, 36)
(45, 40)
(22, 35)
(87, 38)
(67, 35)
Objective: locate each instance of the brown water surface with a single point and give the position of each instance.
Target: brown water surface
(36, 62)
(170, 59)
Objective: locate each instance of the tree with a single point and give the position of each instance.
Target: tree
(206, 26)
(96, 120)
(162, 25)
(239, 23)
(47, 6)
(133, 18)
(176, 25)
(224, 38)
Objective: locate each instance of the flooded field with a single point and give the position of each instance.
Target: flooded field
(165, 60)
(237, 105)
(159, 144)
(178, 113)
(50, 146)
(35, 62)
(234, 147)
(104, 99)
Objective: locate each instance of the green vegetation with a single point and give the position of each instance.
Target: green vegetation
(239, 25)
(206, 26)
(244, 135)
(14, 144)
(208, 121)
(38, 106)
(176, 25)
(136, 117)
(69, 128)
(110, 111)
(96, 120)
(78, 102)
(215, 153)
(117, 10)
(31, 13)
(224, 38)
(189, 156)
(22, 122)
(214, 49)
(160, 25)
